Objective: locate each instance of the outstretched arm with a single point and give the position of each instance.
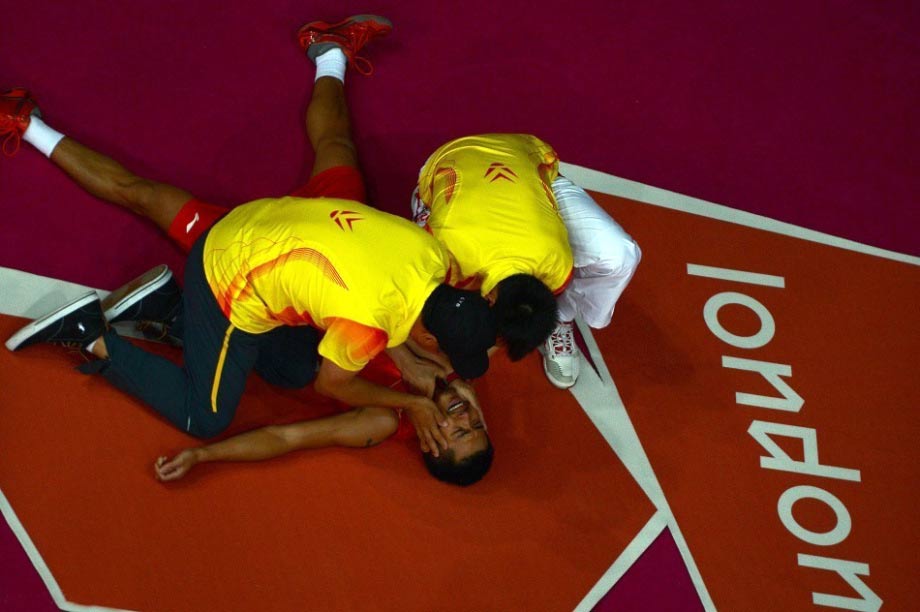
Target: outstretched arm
(360, 427)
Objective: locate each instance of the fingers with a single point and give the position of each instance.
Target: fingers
(482, 419)
(439, 438)
(439, 415)
(427, 442)
(168, 470)
(159, 470)
(442, 416)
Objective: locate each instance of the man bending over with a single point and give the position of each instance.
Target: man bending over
(272, 272)
(531, 241)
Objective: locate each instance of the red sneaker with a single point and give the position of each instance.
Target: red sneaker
(349, 35)
(16, 109)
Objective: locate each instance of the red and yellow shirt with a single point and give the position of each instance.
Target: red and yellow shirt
(492, 206)
(359, 274)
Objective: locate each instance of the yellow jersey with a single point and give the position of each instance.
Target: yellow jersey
(360, 274)
(492, 206)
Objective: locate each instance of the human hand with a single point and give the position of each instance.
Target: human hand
(468, 394)
(428, 420)
(177, 467)
(420, 373)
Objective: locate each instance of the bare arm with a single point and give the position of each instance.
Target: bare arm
(360, 427)
(345, 386)
(418, 372)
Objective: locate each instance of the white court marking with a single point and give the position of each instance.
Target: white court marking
(27, 295)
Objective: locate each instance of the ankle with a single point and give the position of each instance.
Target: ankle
(97, 347)
(332, 63)
(41, 136)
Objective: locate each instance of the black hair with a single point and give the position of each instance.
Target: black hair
(526, 312)
(464, 472)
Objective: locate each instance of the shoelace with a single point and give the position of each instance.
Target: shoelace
(362, 65)
(8, 126)
(75, 348)
(563, 340)
(157, 331)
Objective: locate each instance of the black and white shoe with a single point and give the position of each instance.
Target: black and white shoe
(152, 296)
(75, 324)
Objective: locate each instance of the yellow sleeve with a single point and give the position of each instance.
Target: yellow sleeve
(351, 345)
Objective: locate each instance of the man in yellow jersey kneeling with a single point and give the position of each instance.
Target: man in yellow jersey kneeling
(531, 241)
(317, 272)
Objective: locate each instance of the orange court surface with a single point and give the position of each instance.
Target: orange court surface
(777, 465)
(744, 438)
(340, 526)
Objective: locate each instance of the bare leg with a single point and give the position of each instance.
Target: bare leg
(99, 349)
(107, 179)
(329, 126)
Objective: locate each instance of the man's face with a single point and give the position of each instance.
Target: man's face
(465, 431)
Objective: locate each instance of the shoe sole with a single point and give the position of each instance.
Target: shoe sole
(49, 319)
(549, 376)
(354, 18)
(129, 294)
(558, 385)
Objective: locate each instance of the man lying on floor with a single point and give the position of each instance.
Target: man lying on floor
(466, 459)
(271, 273)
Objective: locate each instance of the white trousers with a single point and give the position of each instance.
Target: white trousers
(605, 256)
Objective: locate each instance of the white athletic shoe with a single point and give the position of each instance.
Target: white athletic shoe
(561, 357)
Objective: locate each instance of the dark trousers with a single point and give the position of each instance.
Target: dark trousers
(201, 397)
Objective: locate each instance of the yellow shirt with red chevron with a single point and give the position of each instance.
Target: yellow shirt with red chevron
(360, 274)
(492, 206)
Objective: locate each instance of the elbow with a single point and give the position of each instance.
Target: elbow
(323, 387)
(377, 424)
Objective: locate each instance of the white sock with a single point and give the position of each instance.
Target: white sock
(42, 137)
(332, 63)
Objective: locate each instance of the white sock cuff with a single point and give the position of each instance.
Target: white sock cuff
(332, 63)
(42, 137)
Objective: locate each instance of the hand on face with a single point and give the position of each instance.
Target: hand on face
(429, 420)
(420, 374)
(465, 431)
(468, 394)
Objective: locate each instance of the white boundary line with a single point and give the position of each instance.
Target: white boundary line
(29, 295)
(23, 294)
(653, 528)
(601, 401)
(594, 395)
(39, 563)
(624, 188)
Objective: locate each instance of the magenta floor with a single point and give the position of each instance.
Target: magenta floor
(803, 113)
